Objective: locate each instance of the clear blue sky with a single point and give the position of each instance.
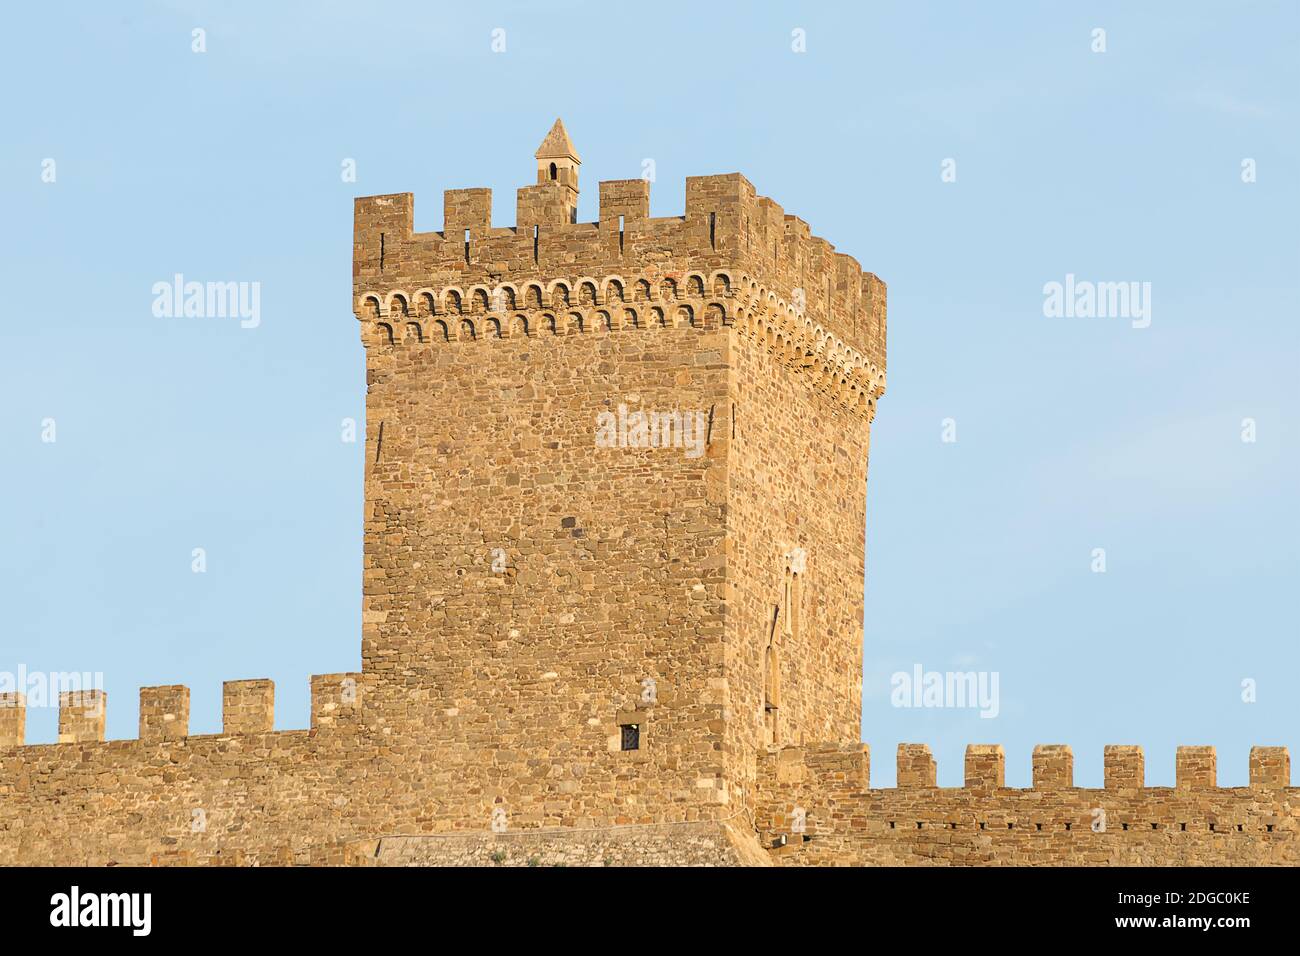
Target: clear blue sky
(1072, 434)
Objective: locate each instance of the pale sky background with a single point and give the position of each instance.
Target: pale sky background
(1073, 434)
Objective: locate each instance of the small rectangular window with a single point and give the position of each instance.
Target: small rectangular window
(631, 736)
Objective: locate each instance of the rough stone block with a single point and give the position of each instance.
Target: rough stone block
(248, 706)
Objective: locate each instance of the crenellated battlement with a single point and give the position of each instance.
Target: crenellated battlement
(727, 228)
(248, 707)
(817, 800)
(985, 767)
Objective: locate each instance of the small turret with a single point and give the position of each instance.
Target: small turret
(558, 162)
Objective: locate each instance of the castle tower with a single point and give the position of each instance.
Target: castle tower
(558, 162)
(615, 492)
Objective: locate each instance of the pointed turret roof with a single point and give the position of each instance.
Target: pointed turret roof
(557, 144)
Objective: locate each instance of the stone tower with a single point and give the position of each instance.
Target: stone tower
(557, 161)
(615, 491)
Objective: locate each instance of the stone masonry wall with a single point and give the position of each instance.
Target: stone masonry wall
(817, 802)
(797, 501)
(523, 584)
(669, 844)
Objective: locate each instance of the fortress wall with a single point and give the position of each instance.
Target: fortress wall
(523, 584)
(797, 500)
(297, 796)
(264, 795)
(672, 844)
(1125, 823)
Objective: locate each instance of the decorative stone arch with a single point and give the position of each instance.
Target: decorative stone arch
(668, 289)
(685, 317)
(413, 334)
(509, 297)
(642, 291)
(656, 317)
(440, 331)
(842, 385)
(694, 285)
(795, 351)
(426, 303)
(715, 316)
(402, 302)
(533, 295)
(612, 289)
(603, 322)
(630, 319)
(519, 326)
(823, 375)
(492, 328)
(382, 334)
(370, 306)
(478, 300)
(577, 323)
(550, 325)
(720, 282)
(558, 294)
(467, 331)
(587, 295)
(453, 301)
